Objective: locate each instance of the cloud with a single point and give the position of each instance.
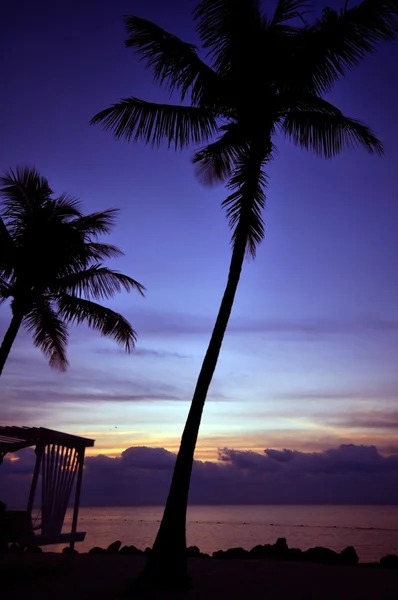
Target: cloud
(82, 385)
(160, 323)
(374, 419)
(348, 474)
(168, 323)
(382, 392)
(153, 322)
(144, 352)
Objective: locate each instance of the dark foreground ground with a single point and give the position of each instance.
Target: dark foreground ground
(99, 577)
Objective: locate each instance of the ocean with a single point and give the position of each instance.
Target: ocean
(372, 530)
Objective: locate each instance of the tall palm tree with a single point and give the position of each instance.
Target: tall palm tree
(51, 267)
(263, 76)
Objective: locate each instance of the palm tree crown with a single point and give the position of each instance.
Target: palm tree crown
(51, 266)
(264, 75)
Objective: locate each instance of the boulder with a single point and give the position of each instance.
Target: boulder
(348, 556)
(193, 551)
(321, 555)
(281, 544)
(390, 561)
(68, 550)
(132, 550)
(96, 550)
(114, 547)
(295, 554)
(232, 553)
(261, 551)
(280, 550)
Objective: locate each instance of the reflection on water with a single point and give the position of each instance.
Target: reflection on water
(372, 530)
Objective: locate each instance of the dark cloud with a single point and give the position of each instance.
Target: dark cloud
(81, 386)
(382, 392)
(152, 322)
(74, 396)
(374, 419)
(144, 352)
(348, 474)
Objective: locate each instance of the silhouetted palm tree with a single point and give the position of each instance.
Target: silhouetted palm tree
(51, 267)
(264, 76)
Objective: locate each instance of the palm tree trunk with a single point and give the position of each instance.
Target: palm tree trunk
(167, 564)
(9, 338)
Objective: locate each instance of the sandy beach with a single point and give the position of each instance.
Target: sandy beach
(84, 577)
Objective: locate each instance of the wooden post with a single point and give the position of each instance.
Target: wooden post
(35, 478)
(77, 495)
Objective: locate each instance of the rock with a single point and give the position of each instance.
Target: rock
(277, 551)
(147, 550)
(348, 556)
(132, 550)
(321, 555)
(114, 547)
(295, 554)
(193, 551)
(96, 550)
(390, 561)
(281, 544)
(232, 553)
(261, 551)
(68, 550)
(33, 549)
(280, 550)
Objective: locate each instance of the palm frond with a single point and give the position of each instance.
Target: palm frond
(174, 63)
(5, 290)
(328, 134)
(7, 250)
(287, 10)
(228, 30)
(245, 204)
(22, 190)
(216, 162)
(96, 282)
(152, 123)
(50, 333)
(66, 207)
(97, 251)
(337, 42)
(104, 320)
(96, 223)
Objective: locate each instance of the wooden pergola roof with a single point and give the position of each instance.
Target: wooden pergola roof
(13, 439)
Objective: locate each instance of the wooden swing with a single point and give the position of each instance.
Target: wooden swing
(59, 458)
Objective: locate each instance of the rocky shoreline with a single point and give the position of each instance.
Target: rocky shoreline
(279, 551)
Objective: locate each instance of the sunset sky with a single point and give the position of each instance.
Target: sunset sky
(310, 358)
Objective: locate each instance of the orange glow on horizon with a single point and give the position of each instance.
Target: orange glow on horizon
(113, 445)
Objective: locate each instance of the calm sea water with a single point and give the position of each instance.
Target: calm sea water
(372, 530)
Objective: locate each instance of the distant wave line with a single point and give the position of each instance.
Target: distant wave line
(257, 523)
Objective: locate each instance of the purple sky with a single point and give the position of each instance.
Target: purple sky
(310, 358)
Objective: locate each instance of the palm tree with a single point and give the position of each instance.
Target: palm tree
(51, 267)
(263, 76)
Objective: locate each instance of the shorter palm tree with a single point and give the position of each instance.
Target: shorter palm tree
(51, 267)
